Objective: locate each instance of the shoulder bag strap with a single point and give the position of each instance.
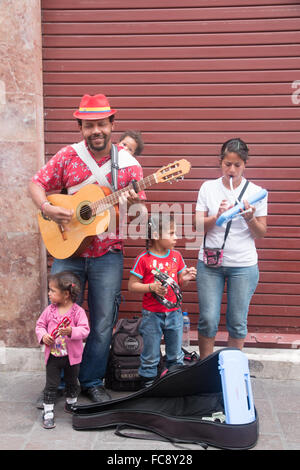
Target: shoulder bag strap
(229, 223)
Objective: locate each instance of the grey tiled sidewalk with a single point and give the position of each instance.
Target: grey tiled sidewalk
(277, 403)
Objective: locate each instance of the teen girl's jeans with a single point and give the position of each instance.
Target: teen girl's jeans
(241, 284)
(104, 277)
(152, 327)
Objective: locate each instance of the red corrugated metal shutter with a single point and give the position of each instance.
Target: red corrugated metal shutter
(189, 76)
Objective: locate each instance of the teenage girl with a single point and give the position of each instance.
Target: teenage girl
(159, 319)
(239, 267)
(63, 344)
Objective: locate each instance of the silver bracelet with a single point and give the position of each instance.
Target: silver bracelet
(43, 203)
(43, 215)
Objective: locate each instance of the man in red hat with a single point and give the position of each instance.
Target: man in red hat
(101, 263)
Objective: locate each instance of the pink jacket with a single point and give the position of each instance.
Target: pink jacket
(49, 320)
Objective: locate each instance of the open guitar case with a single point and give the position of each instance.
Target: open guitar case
(184, 404)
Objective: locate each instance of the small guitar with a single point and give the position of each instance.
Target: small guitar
(91, 206)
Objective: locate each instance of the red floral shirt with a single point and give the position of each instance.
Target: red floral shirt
(66, 169)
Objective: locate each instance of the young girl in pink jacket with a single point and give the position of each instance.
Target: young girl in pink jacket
(61, 328)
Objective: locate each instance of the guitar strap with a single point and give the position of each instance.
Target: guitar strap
(118, 160)
(98, 172)
(114, 166)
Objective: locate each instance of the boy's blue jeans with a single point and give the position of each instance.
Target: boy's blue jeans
(152, 327)
(104, 277)
(241, 284)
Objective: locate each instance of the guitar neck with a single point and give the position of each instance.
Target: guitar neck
(113, 198)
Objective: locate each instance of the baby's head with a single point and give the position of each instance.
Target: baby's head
(132, 141)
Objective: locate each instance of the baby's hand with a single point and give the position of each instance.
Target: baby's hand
(65, 331)
(47, 339)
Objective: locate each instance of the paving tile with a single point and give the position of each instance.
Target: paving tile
(12, 442)
(269, 442)
(290, 424)
(63, 436)
(284, 395)
(292, 446)
(268, 422)
(21, 387)
(258, 389)
(16, 418)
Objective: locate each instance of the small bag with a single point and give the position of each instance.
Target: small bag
(213, 257)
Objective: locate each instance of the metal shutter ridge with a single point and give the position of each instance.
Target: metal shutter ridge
(190, 76)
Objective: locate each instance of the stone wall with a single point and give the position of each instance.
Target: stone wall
(22, 258)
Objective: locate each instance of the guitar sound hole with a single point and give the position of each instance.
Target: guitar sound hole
(86, 212)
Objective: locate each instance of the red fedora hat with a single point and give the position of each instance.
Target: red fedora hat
(94, 107)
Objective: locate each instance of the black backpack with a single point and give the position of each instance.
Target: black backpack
(124, 356)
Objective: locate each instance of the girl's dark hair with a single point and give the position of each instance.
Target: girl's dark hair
(237, 146)
(137, 136)
(67, 281)
(157, 223)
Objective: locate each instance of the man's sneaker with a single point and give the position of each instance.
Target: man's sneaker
(48, 420)
(96, 394)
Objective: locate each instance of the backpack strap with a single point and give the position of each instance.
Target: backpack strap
(230, 221)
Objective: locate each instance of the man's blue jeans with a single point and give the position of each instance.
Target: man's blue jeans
(104, 277)
(241, 284)
(152, 327)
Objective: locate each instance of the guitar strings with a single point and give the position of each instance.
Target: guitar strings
(101, 206)
(95, 206)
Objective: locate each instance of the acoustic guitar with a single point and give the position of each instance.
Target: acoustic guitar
(91, 206)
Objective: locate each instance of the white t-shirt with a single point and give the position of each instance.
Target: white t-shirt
(239, 247)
